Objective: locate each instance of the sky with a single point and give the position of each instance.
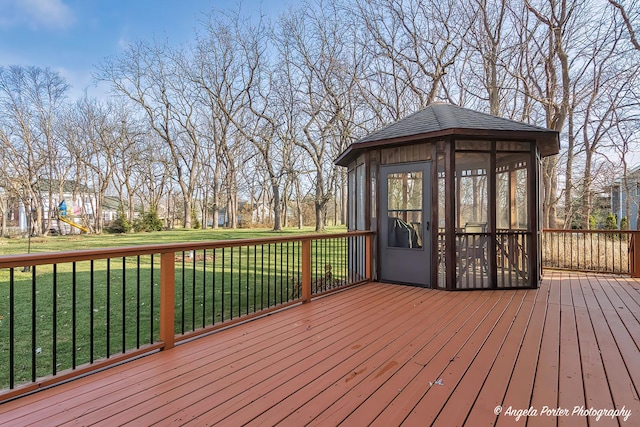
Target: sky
(72, 36)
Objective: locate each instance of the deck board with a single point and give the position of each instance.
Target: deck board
(366, 356)
(373, 373)
(468, 388)
(570, 381)
(376, 402)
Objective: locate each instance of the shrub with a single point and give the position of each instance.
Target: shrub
(121, 224)
(195, 221)
(611, 223)
(149, 221)
(624, 223)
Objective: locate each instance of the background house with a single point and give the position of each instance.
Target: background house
(627, 189)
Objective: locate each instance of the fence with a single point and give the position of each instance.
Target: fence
(66, 314)
(602, 251)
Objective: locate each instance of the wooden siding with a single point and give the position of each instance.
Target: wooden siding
(406, 153)
(383, 355)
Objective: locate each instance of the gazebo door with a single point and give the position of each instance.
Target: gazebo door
(405, 219)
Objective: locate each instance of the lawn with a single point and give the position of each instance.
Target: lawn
(74, 313)
(91, 241)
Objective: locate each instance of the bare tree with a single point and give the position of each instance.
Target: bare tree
(319, 53)
(630, 13)
(218, 73)
(552, 91)
(129, 154)
(490, 45)
(94, 135)
(29, 98)
(417, 43)
(151, 75)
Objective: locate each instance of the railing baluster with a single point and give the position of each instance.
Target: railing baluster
(619, 252)
(255, 276)
(223, 287)
(193, 290)
(85, 288)
(34, 313)
(287, 276)
(262, 277)
(231, 284)
(138, 301)
(247, 282)
(151, 300)
(182, 296)
(280, 274)
(54, 325)
(204, 287)
(124, 304)
(74, 301)
(239, 281)
(314, 272)
(214, 276)
(108, 338)
(269, 277)
(12, 325)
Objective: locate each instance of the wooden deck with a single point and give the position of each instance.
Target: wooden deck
(384, 355)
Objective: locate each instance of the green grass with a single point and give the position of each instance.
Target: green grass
(121, 302)
(84, 241)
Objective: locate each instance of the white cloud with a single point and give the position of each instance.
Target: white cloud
(123, 43)
(36, 14)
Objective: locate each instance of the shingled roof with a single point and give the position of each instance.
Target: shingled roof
(440, 119)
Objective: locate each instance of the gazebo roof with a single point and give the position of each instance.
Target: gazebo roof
(440, 119)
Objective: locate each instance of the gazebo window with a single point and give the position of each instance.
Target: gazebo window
(513, 237)
(511, 193)
(472, 188)
(352, 200)
(441, 211)
(360, 191)
(357, 198)
(404, 209)
(472, 216)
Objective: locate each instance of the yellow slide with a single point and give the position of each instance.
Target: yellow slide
(73, 224)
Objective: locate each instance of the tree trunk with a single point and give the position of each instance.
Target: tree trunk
(586, 197)
(319, 217)
(99, 221)
(550, 181)
(215, 215)
(188, 204)
(277, 223)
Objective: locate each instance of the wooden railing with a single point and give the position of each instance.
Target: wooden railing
(67, 314)
(602, 251)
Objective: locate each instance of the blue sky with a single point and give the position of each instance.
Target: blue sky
(71, 36)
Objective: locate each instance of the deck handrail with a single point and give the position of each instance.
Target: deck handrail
(40, 258)
(602, 251)
(252, 277)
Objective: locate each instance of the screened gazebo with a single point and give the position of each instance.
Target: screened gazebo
(454, 196)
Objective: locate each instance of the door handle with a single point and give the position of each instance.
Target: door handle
(426, 224)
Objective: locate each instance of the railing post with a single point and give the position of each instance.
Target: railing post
(306, 270)
(367, 256)
(167, 299)
(634, 254)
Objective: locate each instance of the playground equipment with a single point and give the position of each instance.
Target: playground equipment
(62, 216)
